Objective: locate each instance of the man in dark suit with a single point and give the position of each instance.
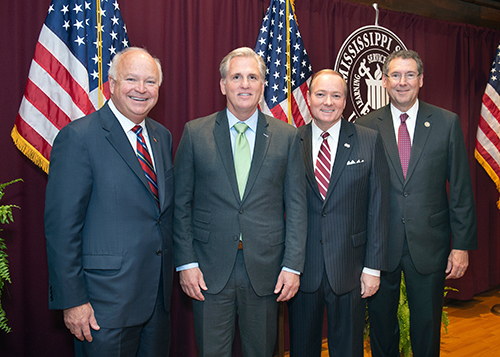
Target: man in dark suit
(425, 151)
(108, 226)
(240, 216)
(347, 219)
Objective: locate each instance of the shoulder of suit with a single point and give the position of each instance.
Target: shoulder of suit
(435, 110)
(364, 130)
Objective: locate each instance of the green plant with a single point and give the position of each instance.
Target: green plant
(404, 319)
(5, 218)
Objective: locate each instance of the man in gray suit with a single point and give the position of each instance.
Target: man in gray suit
(108, 226)
(347, 219)
(431, 199)
(240, 214)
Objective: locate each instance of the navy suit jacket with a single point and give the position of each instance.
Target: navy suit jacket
(420, 208)
(348, 230)
(107, 241)
(209, 214)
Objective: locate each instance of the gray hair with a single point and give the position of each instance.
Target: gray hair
(113, 69)
(242, 52)
(403, 54)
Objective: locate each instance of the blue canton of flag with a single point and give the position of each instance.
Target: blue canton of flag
(63, 82)
(272, 47)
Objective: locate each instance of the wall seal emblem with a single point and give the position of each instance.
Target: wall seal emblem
(360, 61)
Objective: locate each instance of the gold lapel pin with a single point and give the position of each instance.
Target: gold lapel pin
(427, 124)
(155, 140)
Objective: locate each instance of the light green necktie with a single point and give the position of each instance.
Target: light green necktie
(242, 158)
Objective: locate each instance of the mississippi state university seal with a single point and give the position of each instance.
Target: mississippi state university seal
(360, 61)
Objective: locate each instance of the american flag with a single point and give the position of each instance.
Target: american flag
(284, 94)
(68, 64)
(488, 132)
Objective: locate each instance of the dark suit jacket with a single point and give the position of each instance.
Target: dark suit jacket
(420, 208)
(106, 238)
(209, 214)
(347, 231)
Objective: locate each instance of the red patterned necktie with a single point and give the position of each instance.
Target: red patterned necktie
(323, 166)
(145, 161)
(404, 144)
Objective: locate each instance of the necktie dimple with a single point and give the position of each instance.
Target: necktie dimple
(145, 161)
(404, 144)
(242, 159)
(323, 166)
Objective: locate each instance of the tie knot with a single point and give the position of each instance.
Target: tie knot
(403, 117)
(137, 129)
(241, 127)
(325, 134)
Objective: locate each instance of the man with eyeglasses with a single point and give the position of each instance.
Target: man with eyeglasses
(425, 151)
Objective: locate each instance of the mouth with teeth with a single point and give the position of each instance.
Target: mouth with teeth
(138, 99)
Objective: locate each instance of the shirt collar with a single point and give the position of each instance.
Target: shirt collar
(412, 112)
(125, 122)
(334, 130)
(251, 122)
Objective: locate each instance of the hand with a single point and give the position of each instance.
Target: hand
(288, 283)
(458, 261)
(192, 283)
(78, 319)
(369, 285)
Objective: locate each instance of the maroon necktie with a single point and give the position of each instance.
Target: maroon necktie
(404, 144)
(323, 166)
(145, 161)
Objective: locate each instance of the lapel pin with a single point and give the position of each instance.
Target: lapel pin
(427, 124)
(347, 145)
(265, 135)
(155, 140)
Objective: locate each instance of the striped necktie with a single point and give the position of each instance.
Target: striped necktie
(323, 166)
(404, 144)
(145, 161)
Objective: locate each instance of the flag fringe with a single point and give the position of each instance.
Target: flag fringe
(29, 151)
(490, 172)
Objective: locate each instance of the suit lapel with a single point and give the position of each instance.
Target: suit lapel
(118, 139)
(345, 143)
(386, 130)
(223, 141)
(306, 138)
(423, 127)
(262, 140)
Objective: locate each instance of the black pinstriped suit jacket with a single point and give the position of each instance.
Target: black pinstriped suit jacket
(347, 231)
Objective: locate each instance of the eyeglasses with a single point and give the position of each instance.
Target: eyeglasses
(410, 76)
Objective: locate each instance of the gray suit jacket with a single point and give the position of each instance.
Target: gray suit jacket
(106, 238)
(209, 214)
(349, 229)
(420, 208)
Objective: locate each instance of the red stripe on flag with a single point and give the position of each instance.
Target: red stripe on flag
(489, 133)
(487, 157)
(61, 75)
(30, 135)
(45, 105)
(296, 114)
(279, 113)
(492, 107)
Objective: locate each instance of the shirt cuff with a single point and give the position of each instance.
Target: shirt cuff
(187, 266)
(291, 270)
(373, 272)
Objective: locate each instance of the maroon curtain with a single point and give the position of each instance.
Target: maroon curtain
(190, 38)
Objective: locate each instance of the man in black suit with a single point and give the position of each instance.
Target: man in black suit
(108, 228)
(425, 151)
(347, 212)
(239, 229)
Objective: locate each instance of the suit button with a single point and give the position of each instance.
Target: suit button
(158, 252)
(159, 222)
(240, 211)
(406, 194)
(323, 214)
(403, 220)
